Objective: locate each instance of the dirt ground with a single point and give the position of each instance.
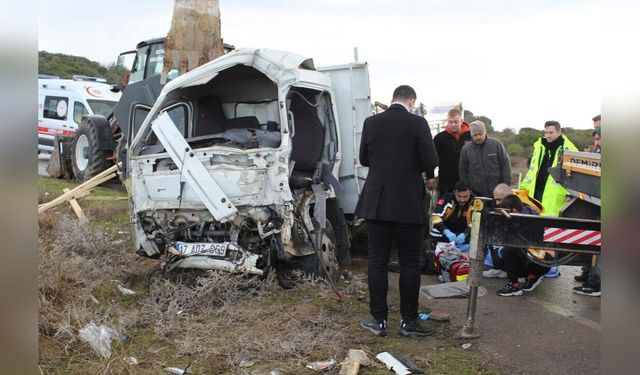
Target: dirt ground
(212, 322)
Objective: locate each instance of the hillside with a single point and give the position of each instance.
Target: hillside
(65, 66)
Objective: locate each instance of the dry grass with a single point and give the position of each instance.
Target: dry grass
(213, 320)
(219, 318)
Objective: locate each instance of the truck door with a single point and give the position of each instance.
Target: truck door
(352, 97)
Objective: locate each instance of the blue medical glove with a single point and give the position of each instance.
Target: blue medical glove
(450, 235)
(460, 239)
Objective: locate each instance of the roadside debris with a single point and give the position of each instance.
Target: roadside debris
(457, 289)
(398, 364)
(322, 365)
(76, 207)
(80, 190)
(177, 370)
(125, 291)
(353, 361)
(99, 338)
(440, 316)
(94, 299)
(131, 360)
(466, 345)
(244, 363)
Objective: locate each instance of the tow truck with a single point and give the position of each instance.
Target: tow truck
(574, 236)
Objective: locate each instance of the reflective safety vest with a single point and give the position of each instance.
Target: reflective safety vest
(535, 204)
(553, 198)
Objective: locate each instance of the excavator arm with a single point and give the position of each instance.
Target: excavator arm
(194, 37)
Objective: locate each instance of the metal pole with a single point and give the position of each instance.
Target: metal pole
(476, 255)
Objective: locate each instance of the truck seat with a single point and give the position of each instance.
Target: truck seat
(308, 139)
(247, 122)
(210, 116)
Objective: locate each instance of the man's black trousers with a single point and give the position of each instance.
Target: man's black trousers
(409, 243)
(517, 265)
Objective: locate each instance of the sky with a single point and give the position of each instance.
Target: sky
(518, 63)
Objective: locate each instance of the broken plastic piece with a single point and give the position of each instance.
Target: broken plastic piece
(322, 365)
(175, 370)
(466, 345)
(125, 291)
(131, 360)
(99, 338)
(398, 364)
(244, 363)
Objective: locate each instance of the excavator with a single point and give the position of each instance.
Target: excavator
(100, 141)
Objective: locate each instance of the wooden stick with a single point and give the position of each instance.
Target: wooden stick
(105, 198)
(93, 182)
(76, 207)
(97, 182)
(75, 193)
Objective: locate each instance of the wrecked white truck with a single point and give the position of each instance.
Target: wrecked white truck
(247, 162)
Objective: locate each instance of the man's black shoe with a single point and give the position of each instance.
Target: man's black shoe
(376, 326)
(581, 278)
(588, 290)
(415, 328)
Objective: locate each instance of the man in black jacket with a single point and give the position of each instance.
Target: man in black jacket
(448, 144)
(397, 147)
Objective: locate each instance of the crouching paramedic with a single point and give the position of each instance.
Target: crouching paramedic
(451, 219)
(524, 275)
(530, 206)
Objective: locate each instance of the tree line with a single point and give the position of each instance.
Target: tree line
(66, 66)
(520, 143)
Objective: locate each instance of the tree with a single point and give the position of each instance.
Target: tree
(66, 66)
(514, 149)
(580, 137)
(468, 117)
(527, 136)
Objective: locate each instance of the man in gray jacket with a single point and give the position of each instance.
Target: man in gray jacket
(484, 162)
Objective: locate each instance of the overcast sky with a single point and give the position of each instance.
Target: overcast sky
(518, 63)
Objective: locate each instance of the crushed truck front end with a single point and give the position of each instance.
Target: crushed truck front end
(231, 168)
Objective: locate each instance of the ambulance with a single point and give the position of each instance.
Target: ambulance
(63, 102)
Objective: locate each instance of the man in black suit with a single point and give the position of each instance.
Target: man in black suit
(397, 147)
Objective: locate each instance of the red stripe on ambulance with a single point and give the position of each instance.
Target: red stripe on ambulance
(51, 131)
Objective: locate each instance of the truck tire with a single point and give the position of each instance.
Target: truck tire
(87, 157)
(335, 215)
(311, 265)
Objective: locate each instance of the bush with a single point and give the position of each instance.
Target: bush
(515, 149)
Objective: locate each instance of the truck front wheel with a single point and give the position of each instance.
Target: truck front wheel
(87, 157)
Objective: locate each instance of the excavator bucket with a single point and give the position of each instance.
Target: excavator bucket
(194, 38)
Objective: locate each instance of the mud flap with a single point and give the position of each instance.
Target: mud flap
(320, 207)
(330, 179)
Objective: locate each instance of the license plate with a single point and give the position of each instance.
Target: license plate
(202, 248)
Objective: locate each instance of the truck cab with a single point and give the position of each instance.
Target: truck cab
(239, 163)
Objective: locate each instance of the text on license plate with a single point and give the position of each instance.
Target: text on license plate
(202, 248)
